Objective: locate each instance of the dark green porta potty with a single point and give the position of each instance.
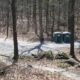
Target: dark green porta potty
(58, 37)
(66, 37)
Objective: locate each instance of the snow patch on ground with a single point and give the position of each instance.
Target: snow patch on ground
(27, 48)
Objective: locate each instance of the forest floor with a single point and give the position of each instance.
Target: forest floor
(29, 68)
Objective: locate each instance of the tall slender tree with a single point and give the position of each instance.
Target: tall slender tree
(40, 20)
(8, 4)
(13, 7)
(58, 22)
(52, 27)
(34, 16)
(71, 26)
(28, 15)
(47, 16)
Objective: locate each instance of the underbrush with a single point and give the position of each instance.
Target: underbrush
(21, 72)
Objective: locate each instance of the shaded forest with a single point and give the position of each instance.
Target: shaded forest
(40, 18)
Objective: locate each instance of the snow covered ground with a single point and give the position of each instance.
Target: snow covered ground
(6, 47)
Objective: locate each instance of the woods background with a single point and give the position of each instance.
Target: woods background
(38, 18)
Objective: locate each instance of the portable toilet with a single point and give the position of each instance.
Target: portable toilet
(66, 37)
(58, 37)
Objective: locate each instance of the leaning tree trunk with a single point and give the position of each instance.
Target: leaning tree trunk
(13, 7)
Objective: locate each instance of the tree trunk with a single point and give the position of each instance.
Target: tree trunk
(47, 16)
(40, 21)
(34, 16)
(52, 27)
(71, 26)
(58, 23)
(8, 2)
(28, 16)
(13, 7)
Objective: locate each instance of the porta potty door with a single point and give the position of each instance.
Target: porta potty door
(58, 37)
(66, 37)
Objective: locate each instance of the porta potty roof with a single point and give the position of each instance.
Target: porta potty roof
(57, 32)
(66, 32)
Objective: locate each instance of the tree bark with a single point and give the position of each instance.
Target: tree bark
(52, 27)
(13, 7)
(34, 16)
(71, 26)
(7, 29)
(58, 22)
(47, 16)
(40, 21)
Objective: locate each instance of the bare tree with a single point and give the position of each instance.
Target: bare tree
(8, 3)
(34, 16)
(71, 26)
(52, 27)
(40, 21)
(47, 16)
(58, 22)
(28, 15)
(13, 7)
